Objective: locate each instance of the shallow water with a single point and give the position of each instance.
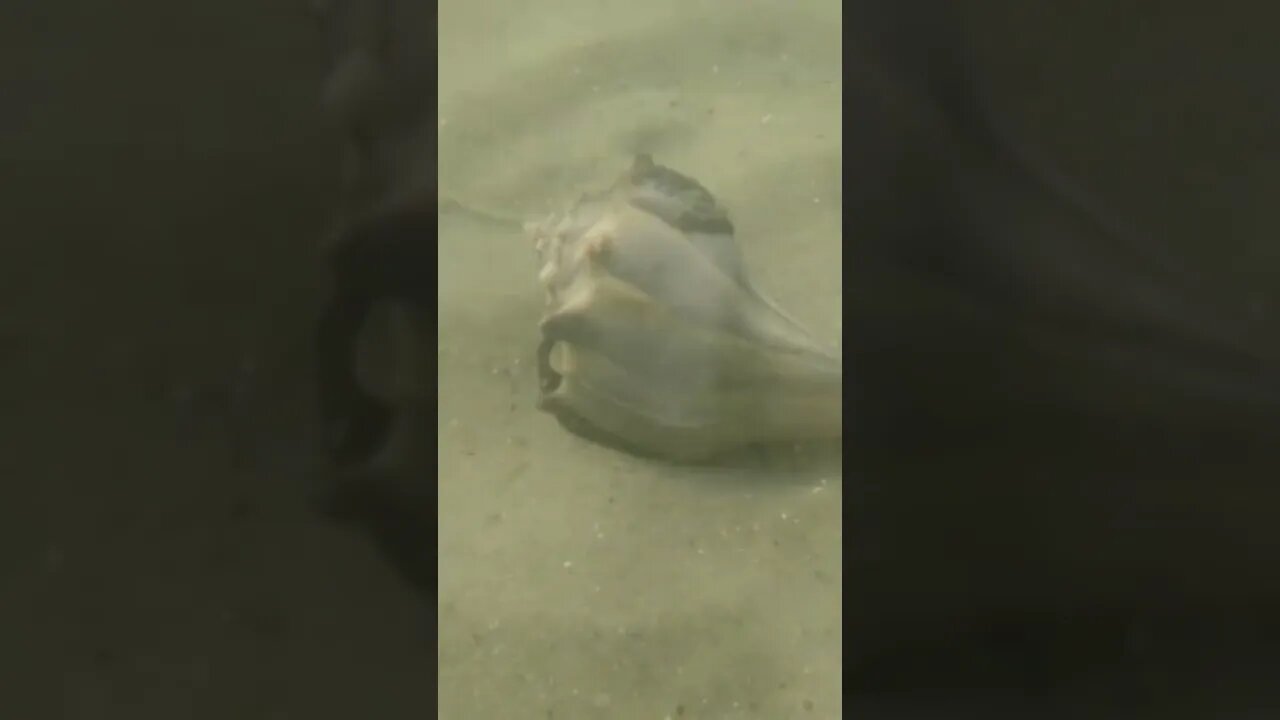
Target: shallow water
(160, 558)
(575, 581)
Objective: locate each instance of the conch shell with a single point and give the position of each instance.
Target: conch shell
(655, 340)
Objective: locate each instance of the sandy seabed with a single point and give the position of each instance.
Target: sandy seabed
(577, 582)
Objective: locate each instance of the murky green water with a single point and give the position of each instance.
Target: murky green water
(575, 581)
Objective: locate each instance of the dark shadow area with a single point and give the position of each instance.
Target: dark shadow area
(1064, 432)
(168, 181)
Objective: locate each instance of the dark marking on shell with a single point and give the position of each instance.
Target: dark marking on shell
(676, 198)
